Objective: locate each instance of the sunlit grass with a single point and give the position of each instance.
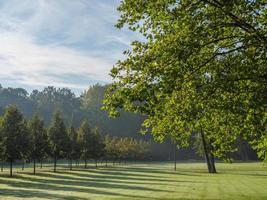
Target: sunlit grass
(139, 181)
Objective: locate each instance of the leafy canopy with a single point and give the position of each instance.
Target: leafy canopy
(201, 66)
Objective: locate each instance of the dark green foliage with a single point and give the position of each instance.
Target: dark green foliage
(39, 140)
(84, 139)
(97, 148)
(74, 150)
(58, 138)
(14, 135)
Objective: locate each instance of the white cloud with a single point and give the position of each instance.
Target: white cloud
(61, 43)
(34, 64)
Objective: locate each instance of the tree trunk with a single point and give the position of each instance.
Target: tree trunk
(55, 163)
(41, 166)
(212, 162)
(95, 163)
(11, 167)
(2, 166)
(23, 162)
(113, 162)
(174, 157)
(70, 163)
(34, 165)
(106, 162)
(206, 152)
(85, 163)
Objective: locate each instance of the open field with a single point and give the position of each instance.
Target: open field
(139, 181)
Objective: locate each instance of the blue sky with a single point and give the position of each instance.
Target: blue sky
(65, 43)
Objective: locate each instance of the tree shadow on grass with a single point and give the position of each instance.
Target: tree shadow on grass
(32, 190)
(100, 181)
(89, 179)
(157, 172)
(73, 184)
(102, 175)
(61, 182)
(22, 193)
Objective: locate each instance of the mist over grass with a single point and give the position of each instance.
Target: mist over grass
(138, 181)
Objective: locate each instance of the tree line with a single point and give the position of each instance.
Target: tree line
(31, 141)
(88, 105)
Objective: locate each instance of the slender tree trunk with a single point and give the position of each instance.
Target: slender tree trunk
(95, 163)
(2, 166)
(55, 163)
(106, 162)
(23, 162)
(174, 155)
(34, 166)
(113, 162)
(85, 163)
(11, 167)
(41, 164)
(206, 151)
(70, 163)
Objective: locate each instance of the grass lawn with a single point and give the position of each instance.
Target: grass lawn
(139, 181)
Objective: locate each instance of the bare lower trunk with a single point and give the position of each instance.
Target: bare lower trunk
(208, 155)
(70, 163)
(212, 162)
(34, 166)
(41, 164)
(2, 166)
(96, 163)
(174, 157)
(55, 163)
(23, 163)
(106, 162)
(11, 168)
(85, 163)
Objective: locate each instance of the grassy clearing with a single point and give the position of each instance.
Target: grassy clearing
(139, 181)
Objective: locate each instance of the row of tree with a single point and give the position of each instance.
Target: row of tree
(88, 105)
(32, 141)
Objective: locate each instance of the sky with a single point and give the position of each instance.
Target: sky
(64, 43)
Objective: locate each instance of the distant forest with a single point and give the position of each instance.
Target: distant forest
(75, 109)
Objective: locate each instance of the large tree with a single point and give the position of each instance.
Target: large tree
(85, 140)
(201, 67)
(97, 147)
(13, 130)
(58, 138)
(39, 140)
(74, 145)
